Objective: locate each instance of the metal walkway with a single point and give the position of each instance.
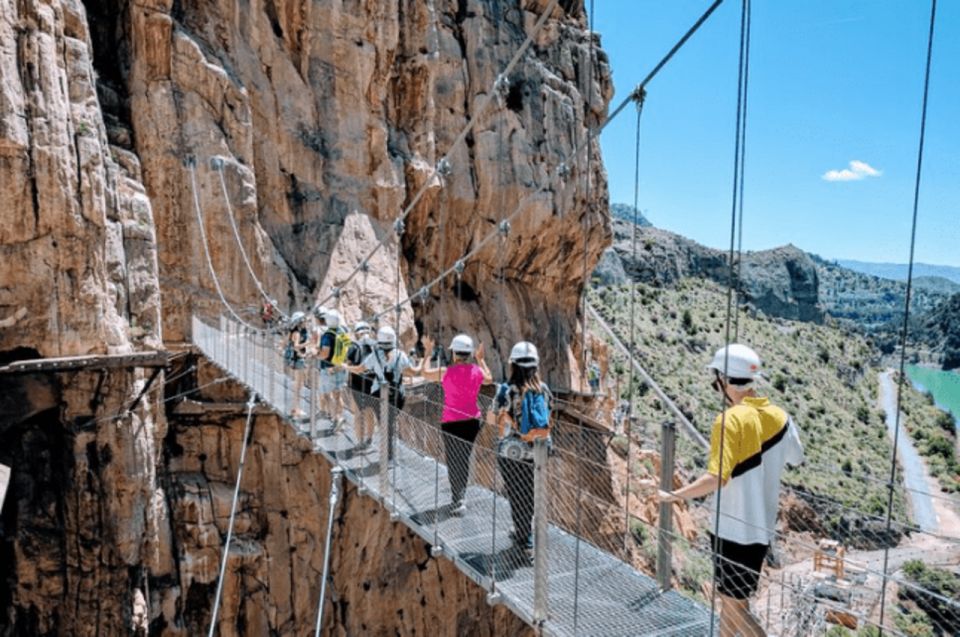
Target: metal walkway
(586, 584)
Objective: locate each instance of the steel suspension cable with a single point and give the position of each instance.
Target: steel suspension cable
(633, 321)
(233, 513)
(663, 62)
(743, 159)
(744, 10)
(217, 163)
(192, 165)
(588, 104)
(906, 310)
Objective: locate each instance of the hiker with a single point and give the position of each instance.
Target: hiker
(334, 342)
(389, 364)
(749, 445)
(361, 383)
(460, 421)
(295, 355)
(593, 377)
(268, 314)
(522, 407)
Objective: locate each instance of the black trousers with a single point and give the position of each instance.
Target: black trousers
(518, 480)
(458, 438)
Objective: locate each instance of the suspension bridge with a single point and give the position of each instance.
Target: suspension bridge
(582, 577)
(571, 583)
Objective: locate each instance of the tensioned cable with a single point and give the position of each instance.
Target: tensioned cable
(743, 160)
(481, 107)
(192, 165)
(233, 513)
(562, 169)
(631, 393)
(217, 163)
(741, 114)
(588, 104)
(906, 311)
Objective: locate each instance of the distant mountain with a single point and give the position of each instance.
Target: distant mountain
(872, 303)
(779, 282)
(898, 271)
(625, 212)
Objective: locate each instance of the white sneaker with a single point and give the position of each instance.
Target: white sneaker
(459, 509)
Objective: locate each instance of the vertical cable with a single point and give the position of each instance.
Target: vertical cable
(727, 333)
(906, 310)
(743, 159)
(633, 322)
(233, 513)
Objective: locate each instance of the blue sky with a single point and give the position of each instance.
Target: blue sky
(831, 82)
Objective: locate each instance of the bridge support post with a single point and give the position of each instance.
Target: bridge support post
(313, 379)
(335, 481)
(668, 439)
(540, 548)
(385, 441)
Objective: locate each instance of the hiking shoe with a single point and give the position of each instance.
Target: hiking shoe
(524, 542)
(458, 508)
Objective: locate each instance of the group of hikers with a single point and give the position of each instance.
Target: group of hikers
(751, 439)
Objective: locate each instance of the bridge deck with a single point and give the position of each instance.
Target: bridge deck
(590, 592)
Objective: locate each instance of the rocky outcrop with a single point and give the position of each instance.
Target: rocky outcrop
(780, 282)
(326, 118)
(323, 110)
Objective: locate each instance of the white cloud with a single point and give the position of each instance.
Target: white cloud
(857, 171)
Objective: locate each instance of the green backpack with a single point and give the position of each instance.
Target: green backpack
(341, 345)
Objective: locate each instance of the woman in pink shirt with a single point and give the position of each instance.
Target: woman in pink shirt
(460, 422)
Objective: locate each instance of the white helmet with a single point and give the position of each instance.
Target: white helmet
(319, 310)
(524, 354)
(462, 344)
(741, 362)
(361, 326)
(331, 318)
(297, 317)
(386, 337)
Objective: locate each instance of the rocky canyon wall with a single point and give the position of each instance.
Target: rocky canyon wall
(326, 118)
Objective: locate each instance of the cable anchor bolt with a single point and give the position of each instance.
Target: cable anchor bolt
(423, 293)
(444, 168)
(563, 171)
(459, 267)
(399, 227)
(216, 162)
(502, 88)
(504, 228)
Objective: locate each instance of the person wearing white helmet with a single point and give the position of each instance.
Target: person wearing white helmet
(460, 421)
(295, 355)
(750, 443)
(332, 346)
(360, 382)
(389, 365)
(522, 408)
(269, 312)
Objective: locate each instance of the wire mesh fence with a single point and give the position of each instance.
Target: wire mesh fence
(832, 567)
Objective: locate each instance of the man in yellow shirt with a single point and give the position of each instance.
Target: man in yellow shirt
(749, 444)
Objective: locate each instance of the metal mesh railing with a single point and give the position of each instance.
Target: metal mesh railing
(604, 541)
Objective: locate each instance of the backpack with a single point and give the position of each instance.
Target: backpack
(291, 355)
(534, 420)
(341, 345)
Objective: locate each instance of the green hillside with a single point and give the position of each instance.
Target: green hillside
(824, 376)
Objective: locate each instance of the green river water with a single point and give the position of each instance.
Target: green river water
(945, 386)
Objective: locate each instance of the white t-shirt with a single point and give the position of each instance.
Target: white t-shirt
(386, 365)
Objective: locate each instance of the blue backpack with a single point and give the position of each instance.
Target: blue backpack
(534, 415)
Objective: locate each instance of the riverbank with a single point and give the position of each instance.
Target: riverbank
(942, 385)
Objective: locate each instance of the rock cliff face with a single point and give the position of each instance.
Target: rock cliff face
(326, 117)
(780, 282)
